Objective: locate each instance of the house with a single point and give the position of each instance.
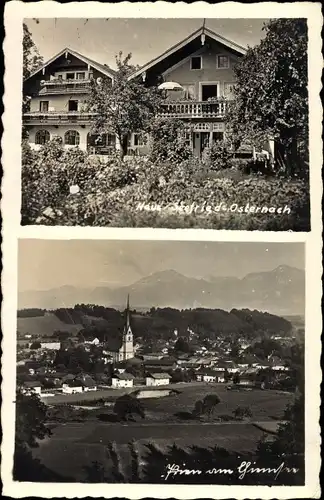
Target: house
(156, 379)
(164, 364)
(55, 346)
(57, 94)
(88, 384)
(201, 66)
(33, 387)
(210, 376)
(94, 341)
(72, 387)
(122, 380)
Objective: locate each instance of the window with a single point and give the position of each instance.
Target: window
(189, 91)
(60, 77)
(80, 76)
(73, 105)
(71, 138)
(196, 62)
(218, 136)
(111, 140)
(229, 90)
(222, 62)
(139, 140)
(42, 137)
(70, 76)
(43, 106)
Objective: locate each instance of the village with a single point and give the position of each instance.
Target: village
(179, 360)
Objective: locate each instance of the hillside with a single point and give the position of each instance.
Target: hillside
(45, 325)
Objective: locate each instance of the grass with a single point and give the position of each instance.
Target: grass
(45, 325)
(76, 444)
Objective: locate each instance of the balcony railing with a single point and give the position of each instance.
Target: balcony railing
(193, 109)
(64, 86)
(57, 117)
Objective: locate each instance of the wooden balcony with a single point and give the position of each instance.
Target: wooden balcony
(193, 109)
(58, 118)
(57, 86)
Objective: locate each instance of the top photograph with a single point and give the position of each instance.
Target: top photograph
(166, 123)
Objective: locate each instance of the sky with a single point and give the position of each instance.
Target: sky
(101, 39)
(46, 264)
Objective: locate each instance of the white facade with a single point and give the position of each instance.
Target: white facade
(67, 389)
(151, 381)
(51, 345)
(119, 382)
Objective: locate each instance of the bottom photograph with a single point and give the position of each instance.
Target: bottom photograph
(160, 362)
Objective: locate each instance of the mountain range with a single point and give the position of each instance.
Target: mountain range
(280, 291)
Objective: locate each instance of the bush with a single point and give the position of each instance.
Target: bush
(242, 412)
(217, 156)
(108, 193)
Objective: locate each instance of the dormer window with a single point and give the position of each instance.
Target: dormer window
(196, 62)
(222, 62)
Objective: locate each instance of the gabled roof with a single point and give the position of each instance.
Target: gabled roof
(32, 384)
(123, 376)
(159, 375)
(106, 70)
(203, 30)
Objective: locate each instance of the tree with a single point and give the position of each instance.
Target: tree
(289, 443)
(123, 107)
(167, 135)
(271, 94)
(206, 406)
(35, 345)
(242, 412)
(126, 406)
(61, 335)
(32, 59)
(182, 345)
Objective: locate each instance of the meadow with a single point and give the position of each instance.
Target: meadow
(75, 445)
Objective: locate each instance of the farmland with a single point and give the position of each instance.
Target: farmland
(45, 325)
(86, 441)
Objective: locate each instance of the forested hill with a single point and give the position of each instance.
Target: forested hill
(154, 324)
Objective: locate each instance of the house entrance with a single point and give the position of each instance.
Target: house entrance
(200, 142)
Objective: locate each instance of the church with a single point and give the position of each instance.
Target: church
(126, 351)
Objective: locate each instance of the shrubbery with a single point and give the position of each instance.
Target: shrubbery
(62, 187)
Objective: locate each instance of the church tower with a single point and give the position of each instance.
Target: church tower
(127, 349)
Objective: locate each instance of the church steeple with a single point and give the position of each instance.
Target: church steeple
(127, 349)
(127, 314)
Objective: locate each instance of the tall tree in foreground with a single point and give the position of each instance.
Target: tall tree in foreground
(32, 59)
(271, 94)
(123, 107)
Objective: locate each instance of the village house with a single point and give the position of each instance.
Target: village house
(165, 364)
(156, 379)
(196, 76)
(33, 387)
(210, 376)
(57, 100)
(122, 380)
(72, 387)
(45, 344)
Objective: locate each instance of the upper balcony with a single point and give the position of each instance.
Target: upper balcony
(57, 118)
(60, 86)
(193, 109)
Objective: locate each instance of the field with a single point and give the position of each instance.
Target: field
(45, 326)
(75, 445)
